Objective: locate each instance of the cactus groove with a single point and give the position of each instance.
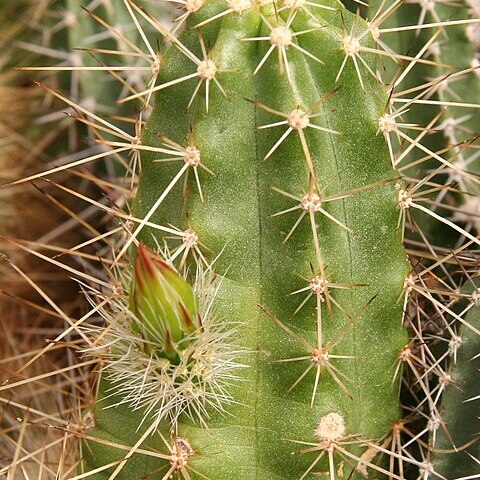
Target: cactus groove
(360, 252)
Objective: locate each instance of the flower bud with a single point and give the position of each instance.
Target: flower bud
(163, 302)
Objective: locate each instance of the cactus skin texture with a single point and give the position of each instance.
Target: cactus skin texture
(460, 409)
(254, 441)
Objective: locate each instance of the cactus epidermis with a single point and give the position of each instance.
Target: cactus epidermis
(317, 218)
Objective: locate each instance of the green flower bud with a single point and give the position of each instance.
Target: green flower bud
(163, 302)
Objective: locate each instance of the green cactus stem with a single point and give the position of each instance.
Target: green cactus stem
(460, 47)
(224, 171)
(457, 447)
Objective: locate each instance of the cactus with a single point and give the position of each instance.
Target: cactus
(460, 406)
(448, 91)
(452, 88)
(311, 357)
(250, 321)
(458, 87)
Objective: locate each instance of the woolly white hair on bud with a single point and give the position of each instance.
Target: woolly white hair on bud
(141, 378)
